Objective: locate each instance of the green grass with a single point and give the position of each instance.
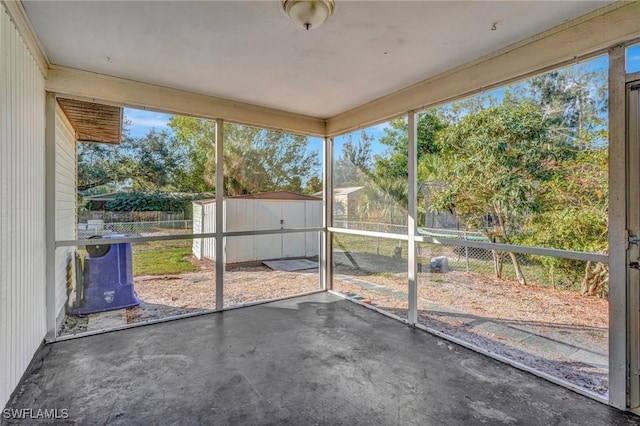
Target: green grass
(157, 259)
(534, 272)
(372, 245)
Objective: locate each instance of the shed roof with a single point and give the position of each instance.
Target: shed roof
(347, 190)
(271, 195)
(102, 197)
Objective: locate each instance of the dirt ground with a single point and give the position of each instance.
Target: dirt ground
(196, 290)
(556, 315)
(559, 315)
(171, 295)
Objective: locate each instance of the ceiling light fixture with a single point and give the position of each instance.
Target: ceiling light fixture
(308, 14)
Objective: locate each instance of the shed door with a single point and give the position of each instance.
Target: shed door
(268, 215)
(293, 216)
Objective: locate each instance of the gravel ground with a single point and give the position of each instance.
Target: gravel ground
(171, 295)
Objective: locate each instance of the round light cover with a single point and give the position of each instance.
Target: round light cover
(308, 14)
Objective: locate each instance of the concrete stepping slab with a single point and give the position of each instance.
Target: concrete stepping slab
(291, 265)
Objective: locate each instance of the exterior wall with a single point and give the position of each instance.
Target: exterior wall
(204, 221)
(208, 226)
(22, 207)
(346, 204)
(65, 210)
(313, 218)
(256, 215)
(240, 215)
(196, 245)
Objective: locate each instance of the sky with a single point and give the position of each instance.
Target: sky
(142, 121)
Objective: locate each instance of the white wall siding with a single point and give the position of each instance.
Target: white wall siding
(196, 245)
(22, 207)
(208, 227)
(313, 218)
(257, 215)
(65, 209)
(240, 216)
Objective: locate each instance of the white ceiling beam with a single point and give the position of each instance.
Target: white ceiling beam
(591, 33)
(19, 17)
(99, 88)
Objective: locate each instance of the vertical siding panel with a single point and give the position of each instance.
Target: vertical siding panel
(4, 383)
(22, 196)
(16, 201)
(65, 210)
(19, 197)
(12, 149)
(22, 266)
(4, 185)
(10, 118)
(15, 219)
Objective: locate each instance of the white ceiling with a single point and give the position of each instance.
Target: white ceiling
(249, 50)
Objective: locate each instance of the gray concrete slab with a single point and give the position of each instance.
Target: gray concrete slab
(504, 331)
(591, 358)
(290, 265)
(314, 360)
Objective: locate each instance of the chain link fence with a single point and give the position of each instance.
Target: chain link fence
(387, 228)
(130, 216)
(444, 258)
(166, 227)
(440, 257)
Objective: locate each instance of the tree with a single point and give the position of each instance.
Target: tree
(575, 206)
(196, 137)
(394, 164)
(149, 201)
(154, 161)
(384, 201)
(456, 111)
(353, 167)
(573, 101)
(574, 217)
(495, 163)
(255, 160)
(99, 165)
(151, 162)
(313, 185)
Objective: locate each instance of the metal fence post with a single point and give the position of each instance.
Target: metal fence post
(466, 252)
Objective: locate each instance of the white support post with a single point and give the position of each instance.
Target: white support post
(326, 268)
(412, 220)
(618, 193)
(50, 208)
(219, 215)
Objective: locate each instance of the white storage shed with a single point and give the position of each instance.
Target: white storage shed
(256, 212)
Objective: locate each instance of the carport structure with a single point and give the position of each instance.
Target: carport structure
(246, 63)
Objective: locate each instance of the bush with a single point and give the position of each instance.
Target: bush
(144, 202)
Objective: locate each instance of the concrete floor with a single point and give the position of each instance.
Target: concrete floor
(315, 360)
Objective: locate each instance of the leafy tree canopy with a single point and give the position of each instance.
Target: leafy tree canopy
(255, 160)
(354, 165)
(394, 163)
(148, 201)
(496, 162)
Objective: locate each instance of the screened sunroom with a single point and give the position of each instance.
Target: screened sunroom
(471, 250)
